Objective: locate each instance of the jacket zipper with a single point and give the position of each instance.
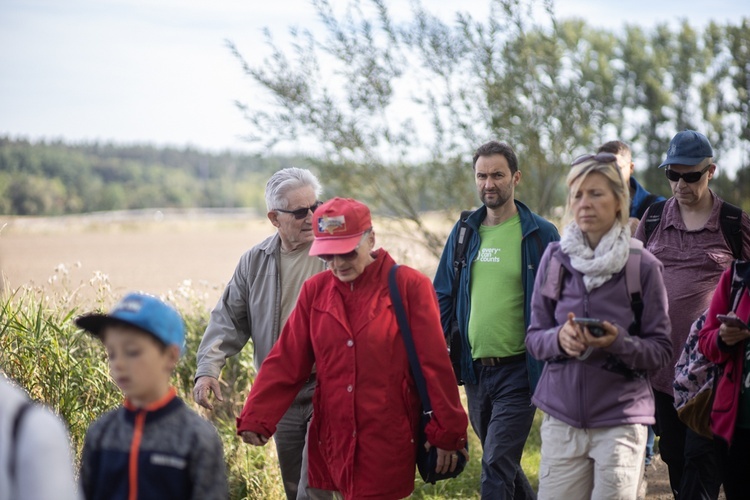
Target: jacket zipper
(135, 445)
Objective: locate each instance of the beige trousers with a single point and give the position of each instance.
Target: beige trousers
(603, 463)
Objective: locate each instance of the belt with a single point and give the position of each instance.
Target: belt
(501, 361)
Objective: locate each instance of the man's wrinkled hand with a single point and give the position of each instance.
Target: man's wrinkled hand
(204, 386)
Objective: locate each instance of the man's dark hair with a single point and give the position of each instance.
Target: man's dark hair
(613, 147)
(497, 148)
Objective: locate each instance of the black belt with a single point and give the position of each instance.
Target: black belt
(501, 361)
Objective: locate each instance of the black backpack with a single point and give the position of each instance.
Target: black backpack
(730, 220)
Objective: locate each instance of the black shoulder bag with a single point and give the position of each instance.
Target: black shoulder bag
(426, 461)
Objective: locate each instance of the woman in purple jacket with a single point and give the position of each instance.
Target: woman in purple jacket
(594, 389)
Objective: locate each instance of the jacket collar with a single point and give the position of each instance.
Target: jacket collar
(528, 224)
(154, 407)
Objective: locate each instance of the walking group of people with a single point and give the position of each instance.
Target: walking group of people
(587, 327)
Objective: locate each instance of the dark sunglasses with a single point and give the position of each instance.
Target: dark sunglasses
(328, 257)
(689, 177)
(301, 213)
(602, 157)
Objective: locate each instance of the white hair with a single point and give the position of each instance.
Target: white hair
(286, 180)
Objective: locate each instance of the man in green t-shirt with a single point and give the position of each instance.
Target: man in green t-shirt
(492, 309)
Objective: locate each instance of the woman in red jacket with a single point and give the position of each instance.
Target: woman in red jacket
(366, 407)
(724, 341)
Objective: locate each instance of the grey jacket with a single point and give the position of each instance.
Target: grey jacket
(249, 308)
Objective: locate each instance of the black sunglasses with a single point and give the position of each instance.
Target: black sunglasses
(602, 157)
(301, 213)
(689, 177)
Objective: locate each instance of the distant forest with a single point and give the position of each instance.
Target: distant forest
(55, 178)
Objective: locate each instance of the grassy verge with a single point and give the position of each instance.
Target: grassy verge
(57, 364)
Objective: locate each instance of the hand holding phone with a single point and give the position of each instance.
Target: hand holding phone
(732, 321)
(595, 326)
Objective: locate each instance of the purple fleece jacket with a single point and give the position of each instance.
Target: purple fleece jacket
(609, 387)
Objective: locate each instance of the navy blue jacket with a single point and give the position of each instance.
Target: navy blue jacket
(164, 452)
(536, 233)
(641, 199)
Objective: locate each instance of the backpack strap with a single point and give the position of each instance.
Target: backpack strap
(553, 279)
(459, 252)
(730, 220)
(654, 218)
(633, 283)
(647, 202)
(16, 429)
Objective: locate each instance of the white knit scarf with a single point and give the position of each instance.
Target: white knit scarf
(597, 265)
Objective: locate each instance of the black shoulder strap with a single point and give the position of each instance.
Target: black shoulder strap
(459, 252)
(654, 217)
(730, 220)
(647, 202)
(403, 325)
(462, 240)
(25, 407)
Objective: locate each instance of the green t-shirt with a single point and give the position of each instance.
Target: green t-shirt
(496, 325)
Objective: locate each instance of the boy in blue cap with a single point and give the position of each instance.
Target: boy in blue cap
(153, 446)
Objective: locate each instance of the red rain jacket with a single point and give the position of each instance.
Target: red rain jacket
(363, 433)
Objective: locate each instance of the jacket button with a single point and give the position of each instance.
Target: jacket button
(350, 342)
(349, 388)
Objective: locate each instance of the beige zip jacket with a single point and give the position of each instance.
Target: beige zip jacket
(249, 308)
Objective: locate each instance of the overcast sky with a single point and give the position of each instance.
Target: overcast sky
(157, 71)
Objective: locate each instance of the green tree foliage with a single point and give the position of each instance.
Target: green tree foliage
(54, 178)
(397, 108)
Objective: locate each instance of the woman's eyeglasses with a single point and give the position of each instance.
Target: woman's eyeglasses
(689, 177)
(301, 213)
(602, 157)
(328, 257)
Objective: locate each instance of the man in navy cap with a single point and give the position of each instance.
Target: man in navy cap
(685, 234)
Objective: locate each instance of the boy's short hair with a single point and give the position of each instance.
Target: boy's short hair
(141, 311)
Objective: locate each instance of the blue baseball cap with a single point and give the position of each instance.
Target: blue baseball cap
(688, 148)
(142, 311)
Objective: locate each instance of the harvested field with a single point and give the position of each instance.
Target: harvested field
(149, 250)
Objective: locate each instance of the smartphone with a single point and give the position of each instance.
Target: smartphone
(732, 321)
(595, 326)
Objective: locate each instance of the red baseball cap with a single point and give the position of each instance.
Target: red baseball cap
(338, 225)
